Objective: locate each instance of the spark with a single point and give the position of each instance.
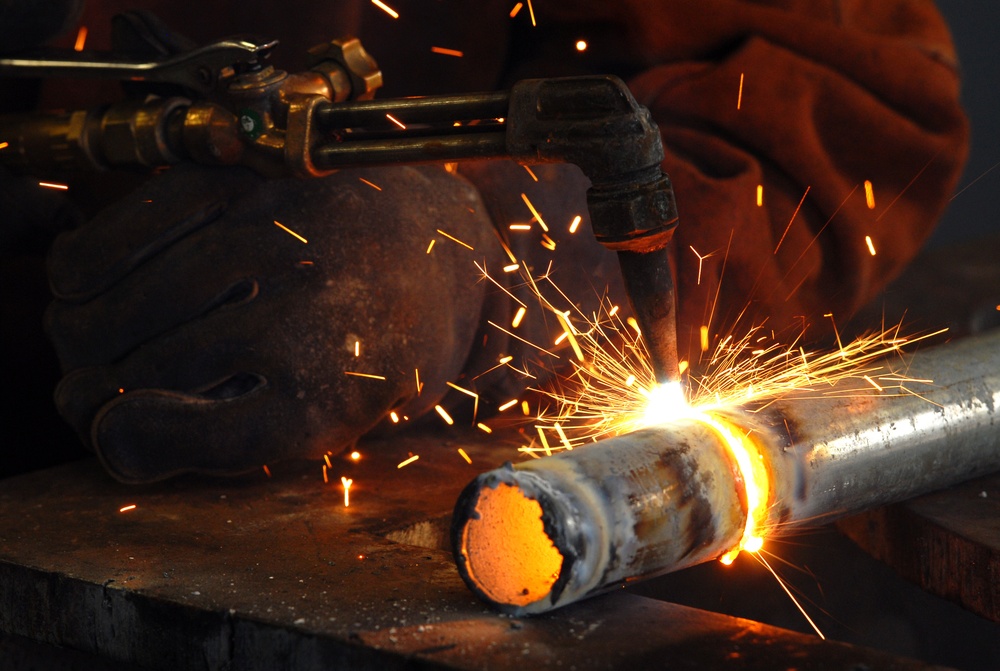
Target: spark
(290, 232)
(125, 509)
(326, 458)
(525, 409)
(760, 195)
(581, 45)
(516, 9)
(518, 316)
(531, 172)
(548, 243)
(794, 214)
(4, 145)
(781, 582)
(739, 96)
(508, 405)
(395, 121)
(575, 224)
(531, 11)
(367, 375)
(836, 332)
(568, 330)
(462, 453)
(482, 427)
(54, 185)
(357, 348)
(959, 193)
(326, 478)
(454, 239)
(346, 482)
(520, 227)
(509, 268)
(701, 260)
(420, 385)
(394, 416)
(562, 436)
(447, 52)
(500, 362)
(386, 8)
(534, 212)
(704, 337)
(444, 415)
(467, 392)
(431, 245)
(371, 184)
(871, 245)
(267, 471)
(526, 342)
(907, 187)
(545, 442)
(81, 39)
(872, 382)
(869, 195)
(355, 456)
(407, 462)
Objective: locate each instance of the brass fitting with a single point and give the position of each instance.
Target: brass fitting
(352, 72)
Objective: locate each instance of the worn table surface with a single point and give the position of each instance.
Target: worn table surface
(266, 573)
(947, 542)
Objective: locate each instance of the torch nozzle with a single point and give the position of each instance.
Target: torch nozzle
(649, 284)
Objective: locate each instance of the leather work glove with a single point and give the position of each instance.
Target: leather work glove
(197, 335)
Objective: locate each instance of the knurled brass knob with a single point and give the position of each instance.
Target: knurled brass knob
(353, 73)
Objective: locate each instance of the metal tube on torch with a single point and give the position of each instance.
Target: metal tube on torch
(546, 533)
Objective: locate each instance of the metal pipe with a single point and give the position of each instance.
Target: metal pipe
(542, 534)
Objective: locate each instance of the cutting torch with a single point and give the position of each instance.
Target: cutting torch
(234, 108)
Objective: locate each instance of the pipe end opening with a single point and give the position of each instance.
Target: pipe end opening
(508, 555)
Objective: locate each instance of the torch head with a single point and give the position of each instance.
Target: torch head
(638, 221)
(596, 124)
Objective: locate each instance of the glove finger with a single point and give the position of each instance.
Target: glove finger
(152, 434)
(89, 260)
(195, 359)
(229, 353)
(156, 299)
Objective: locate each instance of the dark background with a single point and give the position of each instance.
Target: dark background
(975, 25)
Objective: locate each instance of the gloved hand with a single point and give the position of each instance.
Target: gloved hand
(197, 335)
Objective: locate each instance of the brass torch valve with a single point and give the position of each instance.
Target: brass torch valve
(312, 123)
(241, 109)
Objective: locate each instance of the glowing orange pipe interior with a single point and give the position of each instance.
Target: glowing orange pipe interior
(508, 554)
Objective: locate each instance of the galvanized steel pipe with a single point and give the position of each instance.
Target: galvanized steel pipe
(542, 534)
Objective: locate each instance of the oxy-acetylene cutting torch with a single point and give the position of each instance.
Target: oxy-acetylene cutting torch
(237, 109)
